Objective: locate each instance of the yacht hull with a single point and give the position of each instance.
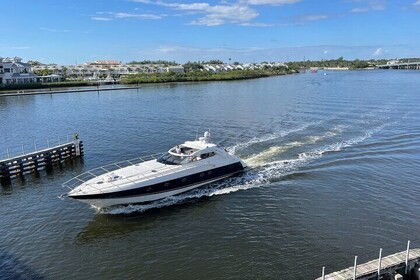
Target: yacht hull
(110, 201)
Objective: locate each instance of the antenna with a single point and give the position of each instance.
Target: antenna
(196, 135)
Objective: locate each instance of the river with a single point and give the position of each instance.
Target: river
(335, 160)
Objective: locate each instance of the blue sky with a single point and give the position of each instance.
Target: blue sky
(67, 32)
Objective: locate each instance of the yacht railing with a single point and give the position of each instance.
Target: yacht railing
(93, 173)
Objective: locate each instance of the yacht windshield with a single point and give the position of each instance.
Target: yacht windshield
(170, 159)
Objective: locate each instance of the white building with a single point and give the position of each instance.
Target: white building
(98, 70)
(14, 71)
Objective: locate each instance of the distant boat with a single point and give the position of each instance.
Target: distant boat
(314, 69)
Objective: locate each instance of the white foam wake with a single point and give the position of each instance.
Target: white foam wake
(259, 176)
(249, 180)
(268, 137)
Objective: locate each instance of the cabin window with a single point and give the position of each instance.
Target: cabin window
(170, 159)
(207, 155)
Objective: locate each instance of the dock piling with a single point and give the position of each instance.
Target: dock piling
(31, 162)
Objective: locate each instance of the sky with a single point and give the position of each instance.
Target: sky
(246, 31)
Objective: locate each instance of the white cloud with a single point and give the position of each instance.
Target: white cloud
(182, 53)
(379, 52)
(257, 24)
(239, 12)
(54, 30)
(417, 3)
(139, 16)
(108, 16)
(217, 14)
(313, 17)
(101, 18)
(271, 2)
(369, 5)
(359, 10)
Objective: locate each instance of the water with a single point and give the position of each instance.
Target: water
(335, 160)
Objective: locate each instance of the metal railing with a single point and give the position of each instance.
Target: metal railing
(35, 146)
(93, 173)
(135, 178)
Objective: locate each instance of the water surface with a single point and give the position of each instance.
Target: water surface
(335, 163)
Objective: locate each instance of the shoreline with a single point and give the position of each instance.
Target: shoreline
(124, 86)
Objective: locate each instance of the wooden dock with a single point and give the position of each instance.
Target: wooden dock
(36, 161)
(406, 264)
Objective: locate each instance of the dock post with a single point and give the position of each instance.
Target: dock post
(379, 263)
(323, 273)
(48, 162)
(77, 144)
(355, 268)
(5, 175)
(407, 257)
(36, 166)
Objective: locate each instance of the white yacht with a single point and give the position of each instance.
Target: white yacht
(184, 167)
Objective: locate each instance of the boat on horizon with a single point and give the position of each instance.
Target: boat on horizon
(183, 168)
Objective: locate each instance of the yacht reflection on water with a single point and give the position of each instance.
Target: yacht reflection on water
(126, 221)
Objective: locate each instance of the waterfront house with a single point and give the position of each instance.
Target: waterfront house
(14, 71)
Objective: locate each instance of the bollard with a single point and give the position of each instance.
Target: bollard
(77, 144)
(323, 273)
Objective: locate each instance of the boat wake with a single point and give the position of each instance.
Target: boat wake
(264, 168)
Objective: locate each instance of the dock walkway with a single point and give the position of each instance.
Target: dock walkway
(386, 266)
